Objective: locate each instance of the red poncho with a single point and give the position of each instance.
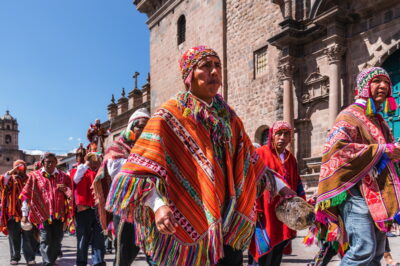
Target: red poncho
(46, 201)
(10, 204)
(275, 231)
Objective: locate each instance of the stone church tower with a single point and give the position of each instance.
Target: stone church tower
(8, 142)
(9, 147)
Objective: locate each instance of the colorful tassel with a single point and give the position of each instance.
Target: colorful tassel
(308, 240)
(215, 119)
(370, 108)
(332, 202)
(310, 237)
(332, 235)
(390, 105)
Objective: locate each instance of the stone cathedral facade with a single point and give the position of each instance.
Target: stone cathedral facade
(283, 59)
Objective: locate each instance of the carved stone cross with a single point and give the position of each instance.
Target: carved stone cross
(135, 76)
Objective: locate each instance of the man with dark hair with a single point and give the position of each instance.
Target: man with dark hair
(88, 227)
(191, 180)
(47, 203)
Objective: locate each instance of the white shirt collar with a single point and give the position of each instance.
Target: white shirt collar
(361, 101)
(54, 172)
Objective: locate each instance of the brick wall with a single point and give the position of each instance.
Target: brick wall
(249, 25)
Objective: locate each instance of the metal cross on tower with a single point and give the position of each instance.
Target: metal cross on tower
(135, 76)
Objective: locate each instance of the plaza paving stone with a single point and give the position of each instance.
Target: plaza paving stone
(301, 254)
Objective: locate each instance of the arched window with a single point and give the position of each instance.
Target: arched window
(8, 127)
(8, 139)
(181, 29)
(264, 137)
(261, 136)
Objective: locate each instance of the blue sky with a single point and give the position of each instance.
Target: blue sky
(60, 61)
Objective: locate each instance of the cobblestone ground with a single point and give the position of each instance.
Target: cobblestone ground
(301, 254)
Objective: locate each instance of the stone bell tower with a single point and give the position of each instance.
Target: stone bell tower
(9, 150)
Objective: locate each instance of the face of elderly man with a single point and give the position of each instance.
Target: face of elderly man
(207, 78)
(379, 89)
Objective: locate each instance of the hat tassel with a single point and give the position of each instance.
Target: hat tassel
(391, 105)
(371, 108)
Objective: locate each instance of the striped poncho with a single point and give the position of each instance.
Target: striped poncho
(204, 166)
(354, 156)
(101, 185)
(10, 203)
(45, 200)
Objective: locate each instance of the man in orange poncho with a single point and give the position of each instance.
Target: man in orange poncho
(191, 180)
(272, 235)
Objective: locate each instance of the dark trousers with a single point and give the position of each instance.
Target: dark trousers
(273, 258)
(88, 231)
(51, 236)
(29, 244)
(231, 257)
(125, 248)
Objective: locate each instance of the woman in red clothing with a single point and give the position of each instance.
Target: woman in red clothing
(272, 236)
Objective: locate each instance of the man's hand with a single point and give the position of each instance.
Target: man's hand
(287, 192)
(62, 187)
(24, 219)
(165, 220)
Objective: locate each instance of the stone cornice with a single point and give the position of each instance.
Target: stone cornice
(294, 32)
(123, 118)
(154, 13)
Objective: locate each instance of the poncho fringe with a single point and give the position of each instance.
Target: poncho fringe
(205, 171)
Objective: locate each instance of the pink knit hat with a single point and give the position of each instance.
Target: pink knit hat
(363, 90)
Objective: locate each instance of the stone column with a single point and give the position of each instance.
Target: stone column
(334, 54)
(286, 75)
(288, 9)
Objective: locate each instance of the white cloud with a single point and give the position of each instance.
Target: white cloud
(34, 152)
(70, 138)
(79, 139)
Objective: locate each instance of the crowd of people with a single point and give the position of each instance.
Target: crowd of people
(188, 187)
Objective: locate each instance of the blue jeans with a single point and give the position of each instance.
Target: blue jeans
(88, 231)
(51, 236)
(366, 242)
